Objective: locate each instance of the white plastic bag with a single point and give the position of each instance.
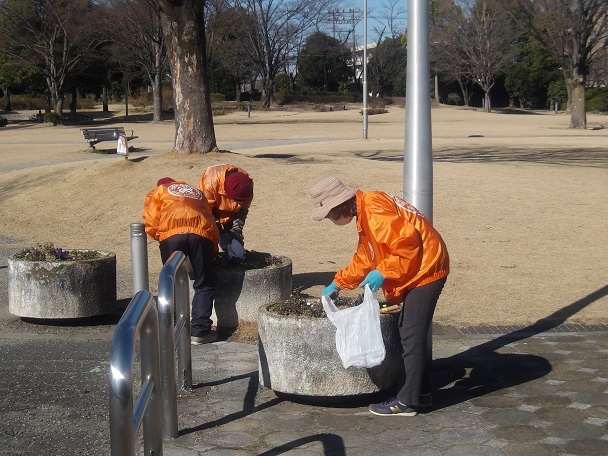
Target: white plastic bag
(358, 336)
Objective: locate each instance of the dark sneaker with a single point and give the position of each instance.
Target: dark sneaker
(392, 407)
(206, 339)
(426, 400)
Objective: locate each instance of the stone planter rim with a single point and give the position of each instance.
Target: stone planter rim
(62, 289)
(103, 253)
(281, 355)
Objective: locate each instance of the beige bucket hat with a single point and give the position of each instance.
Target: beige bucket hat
(326, 194)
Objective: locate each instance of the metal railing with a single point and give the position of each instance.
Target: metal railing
(140, 318)
(173, 293)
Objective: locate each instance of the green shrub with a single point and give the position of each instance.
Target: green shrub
(3, 121)
(52, 117)
(597, 99)
(24, 102)
(454, 99)
(215, 97)
(557, 92)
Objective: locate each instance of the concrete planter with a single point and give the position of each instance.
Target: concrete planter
(62, 289)
(297, 356)
(239, 291)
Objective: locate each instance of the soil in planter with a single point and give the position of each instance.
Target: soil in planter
(297, 305)
(253, 260)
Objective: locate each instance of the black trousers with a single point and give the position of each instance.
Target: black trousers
(200, 251)
(414, 326)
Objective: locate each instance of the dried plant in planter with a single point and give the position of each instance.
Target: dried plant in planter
(48, 252)
(253, 260)
(297, 305)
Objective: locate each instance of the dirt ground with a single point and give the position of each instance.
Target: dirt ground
(518, 197)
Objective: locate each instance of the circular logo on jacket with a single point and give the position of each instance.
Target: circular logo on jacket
(185, 191)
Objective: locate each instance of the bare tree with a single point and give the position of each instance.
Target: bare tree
(184, 29)
(280, 27)
(50, 37)
(136, 26)
(393, 15)
(574, 32)
(483, 41)
(227, 35)
(446, 55)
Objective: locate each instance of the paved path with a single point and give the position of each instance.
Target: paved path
(531, 391)
(516, 394)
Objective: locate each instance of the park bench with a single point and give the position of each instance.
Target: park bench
(99, 134)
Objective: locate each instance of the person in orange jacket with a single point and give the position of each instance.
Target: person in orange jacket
(400, 252)
(179, 217)
(229, 190)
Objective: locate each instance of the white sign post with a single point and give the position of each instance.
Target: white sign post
(122, 147)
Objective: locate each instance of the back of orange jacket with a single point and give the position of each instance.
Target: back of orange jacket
(399, 242)
(178, 208)
(212, 185)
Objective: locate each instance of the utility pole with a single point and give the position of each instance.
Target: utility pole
(351, 16)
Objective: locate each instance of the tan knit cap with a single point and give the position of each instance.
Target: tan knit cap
(326, 194)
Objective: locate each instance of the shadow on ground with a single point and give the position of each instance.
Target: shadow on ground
(586, 157)
(481, 370)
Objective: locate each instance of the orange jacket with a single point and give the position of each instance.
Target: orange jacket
(399, 242)
(178, 208)
(211, 184)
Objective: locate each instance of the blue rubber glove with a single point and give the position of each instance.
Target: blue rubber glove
(374, 279)
(331, 289)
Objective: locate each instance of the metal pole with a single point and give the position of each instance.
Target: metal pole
(364, 69)
(418, 150)
(418, 154)
(139, 258)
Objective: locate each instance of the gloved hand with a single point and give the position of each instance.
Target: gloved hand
(238, 235)
(374, 279)
(225, 240)
(331, 289)
(235, 251)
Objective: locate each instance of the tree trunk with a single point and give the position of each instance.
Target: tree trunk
(183, 26)
(59, 107)
(9, 106)
(487, 102)
(237, 91)
(157, 96)
(127, 100)
(269, 100)
(104, 99)
(436, 90)
(466, 98)
(578, 117)
(74, 104)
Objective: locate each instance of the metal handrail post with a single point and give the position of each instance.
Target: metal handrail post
(182, 330)
(139, 258)
(140, 317)
(173, 297)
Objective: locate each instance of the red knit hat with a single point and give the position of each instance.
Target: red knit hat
(238, 186)
(165, 180)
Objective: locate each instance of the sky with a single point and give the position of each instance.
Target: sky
(375, 18)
